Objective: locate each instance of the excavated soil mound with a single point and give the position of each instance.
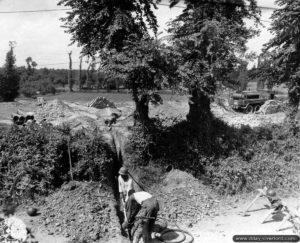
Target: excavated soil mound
(185, 199)
(54, 109)
(272, 106)
(78, 211)
(77, 116)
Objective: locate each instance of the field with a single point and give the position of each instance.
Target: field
(117, 97)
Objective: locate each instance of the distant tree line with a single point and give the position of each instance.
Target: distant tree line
(9, 77)
(30, 80)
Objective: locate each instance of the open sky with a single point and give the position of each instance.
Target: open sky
(40, 36)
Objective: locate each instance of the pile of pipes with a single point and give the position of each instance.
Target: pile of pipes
(22, 118)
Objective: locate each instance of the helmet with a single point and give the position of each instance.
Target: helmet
(32, 211)
(271, 193)
(123, 171)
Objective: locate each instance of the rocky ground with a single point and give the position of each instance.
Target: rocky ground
(221, 221)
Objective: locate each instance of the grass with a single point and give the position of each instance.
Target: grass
(123, 96)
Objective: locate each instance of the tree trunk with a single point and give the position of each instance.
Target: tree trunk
(199, 113)
(88, 77)
(141, 113)
(70, 78)
(80, 74)
(294, 98)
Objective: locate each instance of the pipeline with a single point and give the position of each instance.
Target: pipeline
(21, 118)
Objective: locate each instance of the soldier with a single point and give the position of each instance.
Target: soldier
(125, 184)
(141, 211)
(276, 203)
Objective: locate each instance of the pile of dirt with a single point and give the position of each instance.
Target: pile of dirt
(101, 103)
(78, 116)
(53, 110)
(79, 212)
(185, 199)
(272, 106)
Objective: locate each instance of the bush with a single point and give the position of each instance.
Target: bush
(232, 160)
(44, 86)
(29, 89)
(42, 153)
(47, 87)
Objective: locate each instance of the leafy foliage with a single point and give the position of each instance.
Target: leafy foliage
(266, 71)
(208, 37)
(232, 160)
(143, 64)
(9, 80)
(107, 24)
(42, 153)
(43, 86)
(286, 48)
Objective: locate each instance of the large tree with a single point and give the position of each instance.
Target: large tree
(116, 30)
(286, 49)
(143, 64)
(107, 24)
(209, 36)
(9, 80)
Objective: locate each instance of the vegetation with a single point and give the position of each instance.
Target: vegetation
(9, 79)
(143, 65)
(107, 24)
(283, 51)
(209, 37)
(42, 152)
(232, 160)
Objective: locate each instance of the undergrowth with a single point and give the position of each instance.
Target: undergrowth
(231, 160)
(42, 153)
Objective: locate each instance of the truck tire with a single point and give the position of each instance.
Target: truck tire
(249, 109)
(257, 108)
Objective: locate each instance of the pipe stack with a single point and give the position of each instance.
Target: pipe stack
(23, 118)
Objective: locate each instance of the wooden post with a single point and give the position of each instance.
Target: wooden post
(70, 78)
(80, 74)
(70, 161)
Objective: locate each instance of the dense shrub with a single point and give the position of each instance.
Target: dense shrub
(28, 89)
(231, 159)
(44, 86)
(47, 87)
(42, 153)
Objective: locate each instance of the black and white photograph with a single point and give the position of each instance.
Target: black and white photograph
(149, 121)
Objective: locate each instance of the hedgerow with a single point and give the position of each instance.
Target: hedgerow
(40, 152)
(232, 160)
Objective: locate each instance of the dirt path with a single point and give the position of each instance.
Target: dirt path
(222, 228)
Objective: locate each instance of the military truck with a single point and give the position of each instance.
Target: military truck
(249, 101)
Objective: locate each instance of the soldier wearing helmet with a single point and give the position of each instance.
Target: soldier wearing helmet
(274, 200)
(125, 184)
